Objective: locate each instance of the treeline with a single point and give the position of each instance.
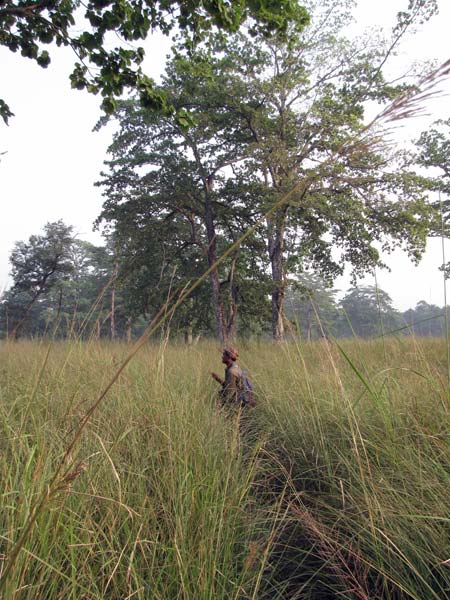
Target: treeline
(365, 312)
(65, 287)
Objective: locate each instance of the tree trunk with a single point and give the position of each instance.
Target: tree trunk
(231, 324)
(214, 275)
(113, 299)
(276, 246)
(188, 336)
(231, 328)
(128, 329)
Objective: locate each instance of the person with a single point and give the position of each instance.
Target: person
(236, 387)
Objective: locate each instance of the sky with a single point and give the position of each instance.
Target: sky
(53, 157)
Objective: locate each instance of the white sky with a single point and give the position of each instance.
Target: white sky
(53, 158)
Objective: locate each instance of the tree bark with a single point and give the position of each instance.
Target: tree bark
(231, 324)
(113, 299)
(276, 246)
(128, 329)
(188, 339)
(212, 258)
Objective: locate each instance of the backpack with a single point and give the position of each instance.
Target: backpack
(246, 396)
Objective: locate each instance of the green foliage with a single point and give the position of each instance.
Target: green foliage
(425, 319)
(368, 311)
(312, 308)
(433, 151)
(68, 288)
(27, 26)
(37, 265)
(64, 287)
(262, 116)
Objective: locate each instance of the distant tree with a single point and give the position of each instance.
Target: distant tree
(425, 319)
(86, 297)
(39, 265)
(91, 301)
(367, 311)
(13, 307)
(29, 26)
(311, 306)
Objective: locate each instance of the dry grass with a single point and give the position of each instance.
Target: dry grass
(335, 486)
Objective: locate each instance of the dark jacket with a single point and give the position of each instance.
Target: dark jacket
(231, 385)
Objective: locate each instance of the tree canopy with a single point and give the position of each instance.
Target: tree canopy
(32, 27)
(40, 264)
(267, 115)
(433, 153)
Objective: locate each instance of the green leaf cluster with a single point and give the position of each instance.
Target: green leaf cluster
(26, 26)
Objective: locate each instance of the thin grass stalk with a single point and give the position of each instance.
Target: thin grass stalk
(327, 343)
(444, 277)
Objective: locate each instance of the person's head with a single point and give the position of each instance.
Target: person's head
(229, 355)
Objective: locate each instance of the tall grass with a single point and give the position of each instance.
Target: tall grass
(336, 485)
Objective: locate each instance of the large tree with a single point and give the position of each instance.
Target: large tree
(299, 104)
(271, 115)
(88, 27)
(179, 191)
(425, 319)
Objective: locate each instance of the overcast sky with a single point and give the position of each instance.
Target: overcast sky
(53, 157)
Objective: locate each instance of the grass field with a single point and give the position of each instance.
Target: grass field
(335, 486)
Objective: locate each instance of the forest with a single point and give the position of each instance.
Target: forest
(67, 288)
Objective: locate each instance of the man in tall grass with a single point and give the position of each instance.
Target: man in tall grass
(236, 388)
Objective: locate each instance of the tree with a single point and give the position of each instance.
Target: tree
(90, 301)
(39, 265)
(425, 319)
(169, 188)
(299, 100)
(368, 311)
(267, 115)
(30, 27)
(311, 305)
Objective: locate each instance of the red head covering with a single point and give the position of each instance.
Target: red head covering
(231, 352)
